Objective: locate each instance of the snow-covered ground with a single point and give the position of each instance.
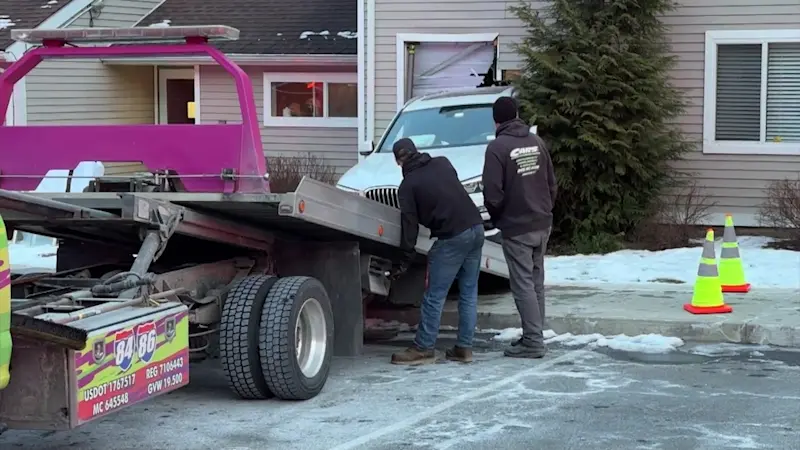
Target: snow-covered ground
(27, 258)
(764, 267)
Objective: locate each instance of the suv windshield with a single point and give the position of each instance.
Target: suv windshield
(449, 126)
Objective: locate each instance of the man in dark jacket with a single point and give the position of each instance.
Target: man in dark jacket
(519, 189)
(432, 195)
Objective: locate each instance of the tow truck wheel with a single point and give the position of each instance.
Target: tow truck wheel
(239, 335)
(296, 342)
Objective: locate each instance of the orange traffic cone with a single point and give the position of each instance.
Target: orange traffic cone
(707, 297)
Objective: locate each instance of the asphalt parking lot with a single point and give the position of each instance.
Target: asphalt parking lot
(729, 397)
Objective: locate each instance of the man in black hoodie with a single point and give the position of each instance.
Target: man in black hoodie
(519, 190)
(432, 195)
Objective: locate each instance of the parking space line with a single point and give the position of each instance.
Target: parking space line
(428, 413)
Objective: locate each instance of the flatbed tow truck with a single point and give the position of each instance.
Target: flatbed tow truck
(155, 271)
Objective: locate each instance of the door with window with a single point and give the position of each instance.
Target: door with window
(176, 96)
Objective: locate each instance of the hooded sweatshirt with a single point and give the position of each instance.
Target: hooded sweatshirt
(519, 184)
(432, 195)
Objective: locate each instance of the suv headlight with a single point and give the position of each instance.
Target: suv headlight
(473, 185)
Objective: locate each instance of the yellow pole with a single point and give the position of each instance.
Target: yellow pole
(5, 308)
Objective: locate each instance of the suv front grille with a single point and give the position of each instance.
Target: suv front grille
(385, 195)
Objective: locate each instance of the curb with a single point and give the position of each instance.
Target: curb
(748, 332)
(737, 332)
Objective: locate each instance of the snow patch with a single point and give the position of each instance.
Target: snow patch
(6, 22)
(308, 34)
(571, 340)
(643, 343)
(326, 33)
(512, 334)
(727, 349)
(50, 4)
(163, 24)
(25, 258)
(764, 267)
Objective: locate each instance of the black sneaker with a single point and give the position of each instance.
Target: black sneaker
(521, 350)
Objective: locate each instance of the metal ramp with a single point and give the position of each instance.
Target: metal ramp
(314, 211)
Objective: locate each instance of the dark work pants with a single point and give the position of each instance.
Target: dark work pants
(525, 258)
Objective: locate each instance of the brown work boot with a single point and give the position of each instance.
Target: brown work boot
(414, 356)
(459, 354)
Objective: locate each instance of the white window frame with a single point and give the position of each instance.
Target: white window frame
(715, 38)
(307, 122)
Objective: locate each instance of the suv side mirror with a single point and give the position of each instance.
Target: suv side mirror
(369, 147)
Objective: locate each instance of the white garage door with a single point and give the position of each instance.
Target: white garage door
(440, 66)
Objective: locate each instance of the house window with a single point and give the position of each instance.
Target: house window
(752, 92)
(311, 100)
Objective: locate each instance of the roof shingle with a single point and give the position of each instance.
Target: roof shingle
(24, 14)
(281, 27)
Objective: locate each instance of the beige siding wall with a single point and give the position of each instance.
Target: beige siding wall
(736, 182)
(218, 102)
(84, 92)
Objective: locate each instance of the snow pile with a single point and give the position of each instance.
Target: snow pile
(643, 343)
(765, 268)
(347, 34)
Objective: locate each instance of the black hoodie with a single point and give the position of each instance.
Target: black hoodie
(519, 185)
(431, 195)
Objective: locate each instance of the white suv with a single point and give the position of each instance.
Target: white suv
(456, 124)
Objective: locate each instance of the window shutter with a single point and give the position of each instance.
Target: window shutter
(783, 92)
(738, 92)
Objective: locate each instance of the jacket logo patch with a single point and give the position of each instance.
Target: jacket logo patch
(526, 159)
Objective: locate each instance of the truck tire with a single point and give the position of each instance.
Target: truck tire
(239, 334)
(296, 343)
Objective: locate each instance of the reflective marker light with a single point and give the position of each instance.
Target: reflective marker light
(135, 34)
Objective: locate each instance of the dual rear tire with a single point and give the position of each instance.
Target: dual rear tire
(276, 337)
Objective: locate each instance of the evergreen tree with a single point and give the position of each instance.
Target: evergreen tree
(595, 80)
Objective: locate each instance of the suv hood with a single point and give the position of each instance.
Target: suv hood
(380, 169)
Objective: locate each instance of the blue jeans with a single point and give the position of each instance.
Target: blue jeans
(448, 259)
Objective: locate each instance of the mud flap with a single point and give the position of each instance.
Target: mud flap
(124, 364)
(5, 309)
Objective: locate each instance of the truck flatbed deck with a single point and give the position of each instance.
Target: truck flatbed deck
(314, 210)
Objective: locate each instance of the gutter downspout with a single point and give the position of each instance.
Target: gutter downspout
(370, 70)
(361, 54)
